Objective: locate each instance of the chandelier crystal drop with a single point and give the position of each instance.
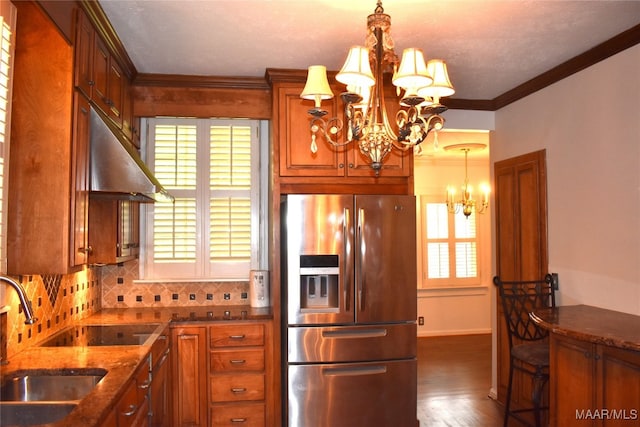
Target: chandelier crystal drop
(367, 123)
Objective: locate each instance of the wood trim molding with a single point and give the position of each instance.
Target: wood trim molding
(617, 44)
(210, 82)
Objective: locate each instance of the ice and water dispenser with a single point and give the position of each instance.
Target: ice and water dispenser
(319, 283)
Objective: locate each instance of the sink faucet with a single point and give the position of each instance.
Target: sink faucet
(26, 304)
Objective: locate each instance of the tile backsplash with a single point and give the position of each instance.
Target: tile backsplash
(61, 300)
(119, 290)
(57, 300)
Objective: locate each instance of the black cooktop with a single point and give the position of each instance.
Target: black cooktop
(102, 335)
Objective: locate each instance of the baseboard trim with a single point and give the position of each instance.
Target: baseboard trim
(456, 332)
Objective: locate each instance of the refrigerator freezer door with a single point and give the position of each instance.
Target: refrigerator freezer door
(314, 344)
(385, 258)
(318, 231)
(381, 394)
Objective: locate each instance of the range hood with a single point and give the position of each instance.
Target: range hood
(117, 171)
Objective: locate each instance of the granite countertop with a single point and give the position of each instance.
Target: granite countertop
(592, 324)
(120, 361)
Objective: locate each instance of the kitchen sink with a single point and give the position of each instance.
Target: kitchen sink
(102, 335)
(33, 397)
(33, 413)
(49, 385)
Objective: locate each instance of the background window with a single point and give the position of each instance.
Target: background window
(212, 168)
(450, 245)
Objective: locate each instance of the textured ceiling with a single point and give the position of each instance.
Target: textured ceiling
(490, 46)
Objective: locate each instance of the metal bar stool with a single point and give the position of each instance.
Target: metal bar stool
(528, 344)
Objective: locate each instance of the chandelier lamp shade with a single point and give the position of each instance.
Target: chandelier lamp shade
(422, 85)
(466, 203)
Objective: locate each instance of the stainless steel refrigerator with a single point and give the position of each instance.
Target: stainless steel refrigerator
(349, 264)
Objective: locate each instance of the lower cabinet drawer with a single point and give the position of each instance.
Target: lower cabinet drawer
(237, 360)
(234, 388)
(238, 415)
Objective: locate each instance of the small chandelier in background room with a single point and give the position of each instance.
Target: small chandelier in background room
(466, 203)
(367, 121)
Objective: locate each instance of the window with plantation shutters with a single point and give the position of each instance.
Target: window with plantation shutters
(7, 23)
(210, 167)
(449, 245)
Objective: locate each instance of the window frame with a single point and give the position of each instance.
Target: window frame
(202, 270)
(8, 12)
(423, 263)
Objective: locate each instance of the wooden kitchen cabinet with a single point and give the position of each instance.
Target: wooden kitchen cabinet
(85, 36)
(593, 384)
(160, 390)
(237, 381)
(132, 410)
(221, 372)
(100, 77)
(114, 230)
(189, 375)
(130, 123)
(108, 89)
(293, 141)
(48, 165)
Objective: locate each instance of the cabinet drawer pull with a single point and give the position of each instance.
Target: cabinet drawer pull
(236, 337)
(132, 410)
(238, 362)
(145, 385)
(236, 390)
(238, 420)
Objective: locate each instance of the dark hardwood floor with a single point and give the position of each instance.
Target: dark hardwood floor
(454, 379)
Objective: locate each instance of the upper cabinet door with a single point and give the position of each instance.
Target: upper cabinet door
(109, 82)
(294, 137)
(79, 244)
(84, 54)
(47, 191)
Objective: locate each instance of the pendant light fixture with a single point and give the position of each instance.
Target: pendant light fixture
(367, 122)
(466, 202)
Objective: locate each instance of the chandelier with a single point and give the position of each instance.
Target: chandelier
(466, 203)
(422, 85)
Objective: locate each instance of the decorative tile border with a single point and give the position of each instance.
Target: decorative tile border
(119, 290)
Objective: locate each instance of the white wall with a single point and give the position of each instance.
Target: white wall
(589, 124)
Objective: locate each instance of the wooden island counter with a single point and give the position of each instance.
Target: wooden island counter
(594, 366)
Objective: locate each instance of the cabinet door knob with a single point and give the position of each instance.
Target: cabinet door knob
(351, 165)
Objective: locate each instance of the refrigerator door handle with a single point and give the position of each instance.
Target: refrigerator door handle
(351, 333)
(353, 371)
(348, 270)
(360, 266)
